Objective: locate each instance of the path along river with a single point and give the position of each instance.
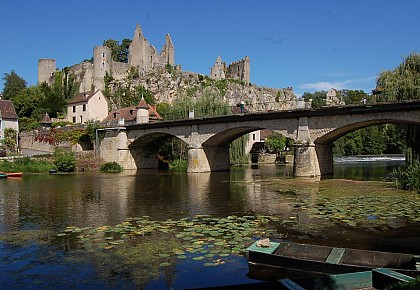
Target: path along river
(170, 230)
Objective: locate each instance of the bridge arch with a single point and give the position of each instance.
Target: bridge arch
(145, 150)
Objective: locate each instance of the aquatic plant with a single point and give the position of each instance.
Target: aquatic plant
(408, 178)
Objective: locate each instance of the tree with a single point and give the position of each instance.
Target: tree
(27, 101)
(13, 85)
(276, 142)
(353, 97)
(119, 51)
(403, 83)
(318, 98)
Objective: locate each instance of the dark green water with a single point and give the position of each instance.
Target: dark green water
(344, 211)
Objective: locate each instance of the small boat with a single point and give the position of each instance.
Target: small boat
(3, 175)
(12, 174)
(324, 260)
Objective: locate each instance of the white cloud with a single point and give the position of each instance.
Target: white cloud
(325, 86)
(354, 84)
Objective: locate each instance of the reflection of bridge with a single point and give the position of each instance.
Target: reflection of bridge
(208, 139)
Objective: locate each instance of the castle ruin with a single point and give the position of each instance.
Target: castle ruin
(143, 57)
(238, 70)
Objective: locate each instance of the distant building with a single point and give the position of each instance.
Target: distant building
(238, 70)
(334, 98)
(8, 118)
(87, 106)
(142, 113)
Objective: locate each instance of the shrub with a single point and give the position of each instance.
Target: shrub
(64, 160)
(111, 167)
(408, 178)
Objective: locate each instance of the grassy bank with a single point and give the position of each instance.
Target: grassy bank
(26, 164)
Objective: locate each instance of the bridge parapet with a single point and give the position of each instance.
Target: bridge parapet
(208, 139)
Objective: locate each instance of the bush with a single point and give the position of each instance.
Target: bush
(111, 167)
(64, 160)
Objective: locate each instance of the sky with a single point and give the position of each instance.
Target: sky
(307, 45)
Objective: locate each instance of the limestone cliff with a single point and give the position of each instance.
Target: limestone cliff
(167, 84)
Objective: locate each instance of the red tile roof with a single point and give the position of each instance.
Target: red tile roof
(82, 97)
(7, 110)
(130, 114)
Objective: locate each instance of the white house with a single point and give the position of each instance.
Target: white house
(87, 106)
(8, 117)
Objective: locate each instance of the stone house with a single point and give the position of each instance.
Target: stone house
(8, 118)
(333, 98)
(142, 113)
(87, 106)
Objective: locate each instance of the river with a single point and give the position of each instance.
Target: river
(152, 229)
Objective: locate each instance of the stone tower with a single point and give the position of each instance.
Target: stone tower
(142, 116)
(102, 61)
(46, 69)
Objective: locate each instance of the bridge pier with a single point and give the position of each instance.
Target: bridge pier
(206, 159)
(312, 160)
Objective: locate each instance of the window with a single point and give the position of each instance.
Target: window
(253, 137)
(84, 107)
(74, 119)
(74, 109)
(81, 119)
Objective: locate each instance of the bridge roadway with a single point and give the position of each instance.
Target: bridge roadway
(208, 139)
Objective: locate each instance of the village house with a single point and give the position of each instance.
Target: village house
(87, 106)
(142, 113)
(8, 118)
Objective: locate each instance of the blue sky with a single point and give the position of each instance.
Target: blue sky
(308, 45)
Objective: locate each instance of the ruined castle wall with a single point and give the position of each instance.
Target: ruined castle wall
(119, 70)
(240, 70)
(83, 73)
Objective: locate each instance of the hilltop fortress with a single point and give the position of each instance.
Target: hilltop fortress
(157, 72)
(142, 56)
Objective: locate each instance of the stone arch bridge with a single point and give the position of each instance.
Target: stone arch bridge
(208, 139)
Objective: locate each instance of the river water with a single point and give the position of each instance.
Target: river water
(152, 229)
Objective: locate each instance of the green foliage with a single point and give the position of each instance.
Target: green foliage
(119, 51)
(209, 105)
(380, 139)
(318, 98)
(13, 85)
(408, 178)
(180, 108)
(402, 83)
(61, 124)
(353, 97)
(411, 285)
(64, 160)
(26, 164)
(10, 139)
(91, 127)
(237, 152)
(163, 109)
(111, 167)
(276, 142)
(28, 124)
